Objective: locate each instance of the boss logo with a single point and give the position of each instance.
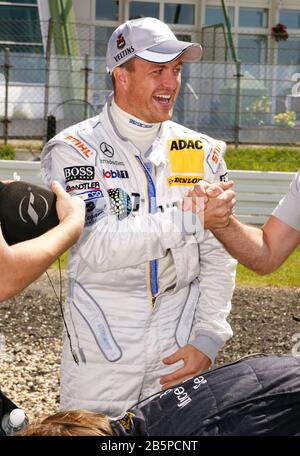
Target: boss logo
(79, 173)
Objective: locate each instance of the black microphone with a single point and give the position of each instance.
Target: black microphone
(26, 211)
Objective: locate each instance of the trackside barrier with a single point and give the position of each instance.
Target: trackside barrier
(258, 192)
(29, 171)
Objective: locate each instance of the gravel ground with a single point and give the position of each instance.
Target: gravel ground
(31, 326)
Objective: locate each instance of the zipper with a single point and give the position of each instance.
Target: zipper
(151, 194)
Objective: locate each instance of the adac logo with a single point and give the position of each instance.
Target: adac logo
(121, 41)
(185, 144)
(27, 210)
(186, 155)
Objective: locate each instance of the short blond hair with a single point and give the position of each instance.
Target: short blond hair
(129, 66)
(70, 423)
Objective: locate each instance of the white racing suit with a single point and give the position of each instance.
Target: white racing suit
(120, 321)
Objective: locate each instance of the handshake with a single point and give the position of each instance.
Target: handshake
(213, 203)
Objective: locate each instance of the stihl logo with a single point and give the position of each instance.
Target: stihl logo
(216, 154)
(80, 146)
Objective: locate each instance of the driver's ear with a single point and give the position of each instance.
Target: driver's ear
(121, 76)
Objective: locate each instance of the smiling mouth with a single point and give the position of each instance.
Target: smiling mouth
(163, 99)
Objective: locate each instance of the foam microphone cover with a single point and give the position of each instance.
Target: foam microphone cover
(26, 211)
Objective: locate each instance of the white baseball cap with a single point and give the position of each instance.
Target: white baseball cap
(150, 39)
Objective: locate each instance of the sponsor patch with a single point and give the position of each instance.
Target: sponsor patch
(224, 177)
(124, 53)
(136, 198)
(215, 156)
(115, 173)
(184, 180)
(91, 194)
(186, 155)
(121, 41)
(83, 186)
(79, 173)
(95, 206)
(139, 124)
(80, 146)
(107, 149)
(94, 210)
(120, 203)
(111, 162)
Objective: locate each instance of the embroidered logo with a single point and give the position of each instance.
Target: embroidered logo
(121, 41)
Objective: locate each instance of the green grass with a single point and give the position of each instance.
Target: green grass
(263, 158)
(63, 261)
(288, 275)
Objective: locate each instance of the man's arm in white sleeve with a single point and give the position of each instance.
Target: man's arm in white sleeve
(111, 243)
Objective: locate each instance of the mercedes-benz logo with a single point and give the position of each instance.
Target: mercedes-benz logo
(106, 149)
(26, 208)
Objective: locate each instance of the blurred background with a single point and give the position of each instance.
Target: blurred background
(246, 89)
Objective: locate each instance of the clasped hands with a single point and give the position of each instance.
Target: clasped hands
(213, 203)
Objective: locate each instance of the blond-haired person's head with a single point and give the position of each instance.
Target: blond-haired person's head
(70, 423)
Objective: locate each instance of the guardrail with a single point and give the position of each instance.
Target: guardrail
(29, 171)
(258, 192)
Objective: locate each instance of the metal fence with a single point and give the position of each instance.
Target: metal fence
(258, 192)
(246, 103)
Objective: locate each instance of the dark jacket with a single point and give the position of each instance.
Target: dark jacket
(258, 395)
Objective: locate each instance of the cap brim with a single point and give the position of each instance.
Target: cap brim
(171, 50)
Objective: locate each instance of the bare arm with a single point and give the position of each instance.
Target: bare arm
(22, 263)
(261, 249)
